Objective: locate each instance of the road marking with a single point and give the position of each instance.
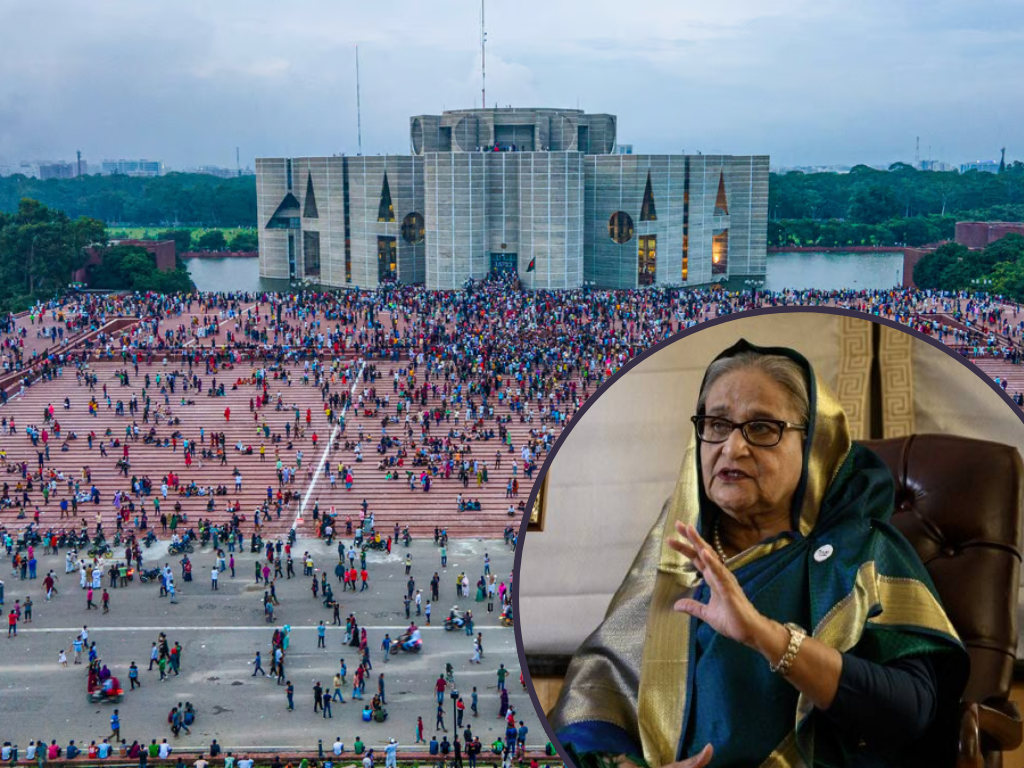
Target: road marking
(327, 449)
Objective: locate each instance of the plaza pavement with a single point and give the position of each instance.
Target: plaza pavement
(220, 631)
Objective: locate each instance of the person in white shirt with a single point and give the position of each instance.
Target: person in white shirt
(165, 750)
(30, 753)
(339, 747)
(200, 763)
(391, 754)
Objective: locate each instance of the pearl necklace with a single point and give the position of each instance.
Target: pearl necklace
(716, 539)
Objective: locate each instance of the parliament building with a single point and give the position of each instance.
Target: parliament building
(538, 192)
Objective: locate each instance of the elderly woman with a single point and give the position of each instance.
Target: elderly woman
(773, 617)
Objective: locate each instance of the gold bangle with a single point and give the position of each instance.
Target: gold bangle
(796, 639)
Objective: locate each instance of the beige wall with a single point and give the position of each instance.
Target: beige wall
(620, 462)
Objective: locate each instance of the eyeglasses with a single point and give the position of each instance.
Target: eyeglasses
(764, 433)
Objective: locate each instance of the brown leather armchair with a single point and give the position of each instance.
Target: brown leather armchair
(959, 503)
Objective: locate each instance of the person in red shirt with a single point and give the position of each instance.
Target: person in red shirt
(439, 687)
(12, 624)
(366, 578)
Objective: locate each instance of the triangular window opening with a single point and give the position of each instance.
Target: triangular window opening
(309, 211)
(286, 215)
(386, 212)
(647, 211)
(721, 204)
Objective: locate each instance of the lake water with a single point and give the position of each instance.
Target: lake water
(827, 271)
(231, 275)
(824, 271)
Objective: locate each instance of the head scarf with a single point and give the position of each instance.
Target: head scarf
(659, 695)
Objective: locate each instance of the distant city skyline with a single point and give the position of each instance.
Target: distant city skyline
(808, 83)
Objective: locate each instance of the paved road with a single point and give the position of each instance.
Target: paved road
(220, 631)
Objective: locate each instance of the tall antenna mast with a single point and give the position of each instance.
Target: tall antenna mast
(238, 161)
(359, 114)
(917, 153)
(483, 60)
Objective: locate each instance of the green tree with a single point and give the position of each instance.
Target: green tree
(213, 240)
(929, 271)
(1006, 249)
(182, 239)
(245, 241)
(873, 204)
(133, 268)
(1008, 280)
(40, 248)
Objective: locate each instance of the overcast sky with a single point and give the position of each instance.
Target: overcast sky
(807, 82)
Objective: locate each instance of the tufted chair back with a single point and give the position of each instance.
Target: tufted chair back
(959, 502)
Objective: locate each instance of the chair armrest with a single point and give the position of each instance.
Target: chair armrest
(969, 747)
(1001, 722)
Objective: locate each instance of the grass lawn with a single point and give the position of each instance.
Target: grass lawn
(149, 233)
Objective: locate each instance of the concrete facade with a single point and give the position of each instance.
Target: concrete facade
(497, 189)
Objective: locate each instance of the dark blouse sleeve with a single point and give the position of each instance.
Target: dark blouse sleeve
(890, 704)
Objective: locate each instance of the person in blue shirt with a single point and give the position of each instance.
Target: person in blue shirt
(510, 736)
(104, 749)
(72, 751)
(115, 725)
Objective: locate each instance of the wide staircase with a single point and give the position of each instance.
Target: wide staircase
(391, 501)
(999, 368)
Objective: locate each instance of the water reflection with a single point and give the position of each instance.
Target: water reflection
(825, 271)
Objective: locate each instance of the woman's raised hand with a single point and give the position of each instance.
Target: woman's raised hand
(728, 612)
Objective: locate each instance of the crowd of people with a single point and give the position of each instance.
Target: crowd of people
(444, 389)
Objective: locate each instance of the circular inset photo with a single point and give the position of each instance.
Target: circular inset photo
(787, 538)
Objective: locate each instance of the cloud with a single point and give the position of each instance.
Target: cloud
(827, 81)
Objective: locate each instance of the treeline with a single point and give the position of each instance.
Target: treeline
(211, 240)
(190, 198)
(835, 233)
(901, 206)
(863, 207)
(40, 249)
(998, 269)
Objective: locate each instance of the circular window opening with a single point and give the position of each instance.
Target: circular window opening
(620, 227)
(412, 228)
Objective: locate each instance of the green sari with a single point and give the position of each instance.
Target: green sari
(658, 685)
